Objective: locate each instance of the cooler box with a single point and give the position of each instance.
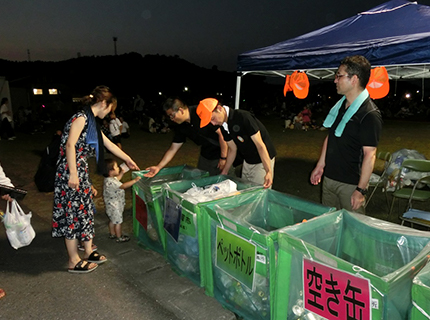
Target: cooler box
(243, 234)
(421, 295)
(182, 218)
(148, 204)
(343, 265)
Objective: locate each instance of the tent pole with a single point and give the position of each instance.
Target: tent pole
(422, 91)
(397, 77)
(238, 82)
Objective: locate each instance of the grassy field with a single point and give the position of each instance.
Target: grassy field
(297, 150)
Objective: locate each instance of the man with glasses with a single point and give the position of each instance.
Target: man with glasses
(213, 148)
(348, 153)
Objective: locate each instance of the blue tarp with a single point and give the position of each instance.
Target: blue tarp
(394, 33)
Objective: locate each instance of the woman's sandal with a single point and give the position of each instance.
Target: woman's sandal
(97, 258)
(2, 293)
(82, 266)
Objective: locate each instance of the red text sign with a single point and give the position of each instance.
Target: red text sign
(335, 294)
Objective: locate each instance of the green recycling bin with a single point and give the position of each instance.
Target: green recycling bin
(243, 235)
(182, 219)
(343, 265)
(148, 204)
(421, 295)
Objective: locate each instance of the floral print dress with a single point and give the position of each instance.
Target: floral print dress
(73, 214)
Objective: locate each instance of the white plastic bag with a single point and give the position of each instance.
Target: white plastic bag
(211, 192)
(18, 227)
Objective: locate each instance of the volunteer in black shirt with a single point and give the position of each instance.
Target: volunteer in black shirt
(213, 148)
(244, 133)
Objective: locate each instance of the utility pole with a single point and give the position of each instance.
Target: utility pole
(114, 43)
(28, 55)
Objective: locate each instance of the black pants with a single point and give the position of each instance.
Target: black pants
(6, 130)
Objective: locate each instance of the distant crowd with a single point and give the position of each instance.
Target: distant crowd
(148, 113)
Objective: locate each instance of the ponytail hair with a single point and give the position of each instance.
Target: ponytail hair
(100, 93)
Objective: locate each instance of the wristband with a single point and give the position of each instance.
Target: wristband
(362, 191)
(223, 158)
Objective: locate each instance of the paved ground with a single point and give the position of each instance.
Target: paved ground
(134, 284)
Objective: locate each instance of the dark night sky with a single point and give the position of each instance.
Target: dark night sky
(203, 32)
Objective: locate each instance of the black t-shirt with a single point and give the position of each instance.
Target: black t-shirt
(205, 137)
(242, 125)
(344, 155)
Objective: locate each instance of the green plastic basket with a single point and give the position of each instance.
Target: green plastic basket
(250, 224)
(342, 262)
(185, 253)
(421, 295)
(148, 204)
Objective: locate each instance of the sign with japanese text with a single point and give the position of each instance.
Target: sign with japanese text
(187, 226)
(335, 294)
(236, 256)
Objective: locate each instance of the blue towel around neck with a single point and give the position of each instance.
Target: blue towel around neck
(352, 109)
(92, 137)
(95, 140)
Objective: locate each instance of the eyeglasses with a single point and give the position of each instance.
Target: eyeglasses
(338, 76)
(172, 115)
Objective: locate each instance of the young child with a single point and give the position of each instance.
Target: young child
(114, 198)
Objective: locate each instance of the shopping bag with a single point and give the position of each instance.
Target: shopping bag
(18, 226)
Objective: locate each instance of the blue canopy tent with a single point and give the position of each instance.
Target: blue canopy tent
(395, 34)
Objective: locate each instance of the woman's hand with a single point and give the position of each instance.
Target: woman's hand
(73, 182)
(132, 165)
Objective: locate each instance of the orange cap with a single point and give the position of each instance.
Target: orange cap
(287, 86)
(379, 84)
(204, 110)
(300, 83)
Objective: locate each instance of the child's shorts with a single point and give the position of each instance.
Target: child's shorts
(114, 213)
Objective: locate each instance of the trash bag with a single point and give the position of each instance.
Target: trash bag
(213, 191)
(401, 155)
(409, 178)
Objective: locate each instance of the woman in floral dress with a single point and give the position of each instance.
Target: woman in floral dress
(73, 214)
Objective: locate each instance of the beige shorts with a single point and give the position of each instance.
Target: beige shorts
(338, 194)
(255, 172)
